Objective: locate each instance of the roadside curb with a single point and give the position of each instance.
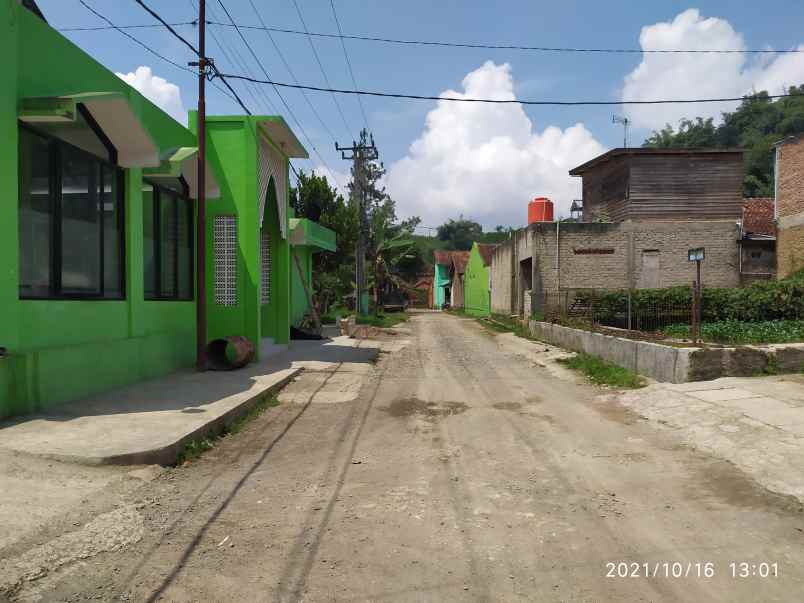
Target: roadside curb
(168, 453)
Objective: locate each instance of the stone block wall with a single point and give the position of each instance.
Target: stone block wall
(618, 256)
(501, 276)
(610, 256)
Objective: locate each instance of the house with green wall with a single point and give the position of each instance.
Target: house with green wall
(442, 262)
(306, 239)
(98, 222)
(477, 280)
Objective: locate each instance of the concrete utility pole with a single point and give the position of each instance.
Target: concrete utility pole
(360, 154)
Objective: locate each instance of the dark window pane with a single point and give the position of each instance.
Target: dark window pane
(35, 216)
(149, 240)
(168, 239)
(111, 206)
(185, 247)
(80, 224)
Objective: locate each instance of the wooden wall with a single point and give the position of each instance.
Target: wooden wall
(688, 186)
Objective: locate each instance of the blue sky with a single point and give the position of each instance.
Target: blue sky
(483, 164)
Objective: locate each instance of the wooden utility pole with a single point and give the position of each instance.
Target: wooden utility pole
(360, 155)
(201, 229)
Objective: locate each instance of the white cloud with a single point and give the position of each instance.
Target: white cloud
(485, 161)
(159, 91)
(699, 75)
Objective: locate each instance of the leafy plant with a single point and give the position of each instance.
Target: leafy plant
(603, 373)
(740, 332)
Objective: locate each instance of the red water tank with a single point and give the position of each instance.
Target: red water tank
(540, 210)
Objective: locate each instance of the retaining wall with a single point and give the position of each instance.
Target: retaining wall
(671, 364)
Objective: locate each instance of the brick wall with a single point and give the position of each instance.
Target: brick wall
(789, 250)
(790, 188)
(790, 207)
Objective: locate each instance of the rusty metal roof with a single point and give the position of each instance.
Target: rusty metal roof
(486, 252)
(758, 216)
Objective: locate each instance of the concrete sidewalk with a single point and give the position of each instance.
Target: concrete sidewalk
(757, 423)
(150, 422)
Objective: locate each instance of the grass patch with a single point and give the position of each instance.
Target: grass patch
(195, 448)
(506, 324)
(329, 317)
(739, 332)
(384, 321)
(603, 373)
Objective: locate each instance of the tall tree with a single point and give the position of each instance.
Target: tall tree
(333, 273)
(460, 233)
(755, 125)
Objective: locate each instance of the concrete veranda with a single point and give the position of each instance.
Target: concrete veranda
(148, 423)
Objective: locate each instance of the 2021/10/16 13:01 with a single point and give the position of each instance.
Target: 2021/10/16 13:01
(738, 569)
(746, 569)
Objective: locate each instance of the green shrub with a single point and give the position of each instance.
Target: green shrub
(741, 332)
(761, 301)
(383, 320)
(603, 373)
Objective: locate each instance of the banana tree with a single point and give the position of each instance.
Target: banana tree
(388, 253)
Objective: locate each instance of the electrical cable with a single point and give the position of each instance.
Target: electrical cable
(516, 46)
(192, 48)
(276, 88)
(505, 101)
(259, 97)
(348, 63)
(149, 49)
(484, 46)
(321, 68)
(293, 75)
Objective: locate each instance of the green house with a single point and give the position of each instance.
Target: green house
(477, 280)
(306, 239)
(441, 280)
(98, 221)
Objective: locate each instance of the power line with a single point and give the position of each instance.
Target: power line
(192, 48)
(478, 45)
(139, 26)
(276, 88)
(149, 49)
(348, 63)
(487, 46)
(176, 34)
(321, 67)
(250, 88)
(133, 39)
(506, 101)
(293, 75)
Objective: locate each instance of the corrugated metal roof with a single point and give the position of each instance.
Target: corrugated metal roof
(459, 260)
(758, 216)
(486, 251)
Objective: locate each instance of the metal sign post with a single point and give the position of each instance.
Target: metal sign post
(696, 255)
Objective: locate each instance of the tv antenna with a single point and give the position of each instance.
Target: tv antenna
(616, 119)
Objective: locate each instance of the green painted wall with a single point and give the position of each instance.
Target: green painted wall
(233, 153)
(440, 281)
(64, 350)
(476, 292)
(298, 300)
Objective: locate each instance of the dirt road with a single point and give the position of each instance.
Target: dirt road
(458, 470)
